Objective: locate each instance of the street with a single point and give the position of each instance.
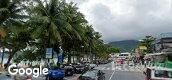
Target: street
(85, 39)
(125, 73)
(112, 72)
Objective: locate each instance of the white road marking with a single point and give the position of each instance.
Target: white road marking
(112, 75)
(103, 68)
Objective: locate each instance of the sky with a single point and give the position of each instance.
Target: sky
(127, 19)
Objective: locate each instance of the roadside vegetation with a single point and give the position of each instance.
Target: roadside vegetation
(148, 43)
(27, 28)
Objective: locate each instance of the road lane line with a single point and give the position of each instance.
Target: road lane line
(103, 68)
(112, 75)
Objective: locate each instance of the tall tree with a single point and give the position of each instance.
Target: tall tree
(147, 42)
(54, 23)
(10, 16)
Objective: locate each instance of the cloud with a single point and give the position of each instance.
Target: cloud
(127, 19)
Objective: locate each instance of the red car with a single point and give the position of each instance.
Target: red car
(120, 61)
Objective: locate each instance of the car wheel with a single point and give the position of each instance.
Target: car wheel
(49, 78)
(103, 77)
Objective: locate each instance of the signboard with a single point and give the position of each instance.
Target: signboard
(49, 52)
(143, 47)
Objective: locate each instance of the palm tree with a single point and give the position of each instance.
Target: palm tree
(10, 15)
(11, 12)
(55, 23)
(147, 42)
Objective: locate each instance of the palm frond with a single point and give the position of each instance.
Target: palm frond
(2, 10)
(54, 31)
(40, 9)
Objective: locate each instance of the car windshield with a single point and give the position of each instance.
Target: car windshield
(54, 68)
(67, 66)
(123, 55)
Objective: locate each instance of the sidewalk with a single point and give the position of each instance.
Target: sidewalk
(2, 70)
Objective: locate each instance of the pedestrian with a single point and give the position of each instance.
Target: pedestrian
(141, 58)
(135, 61)
(128, 61)
(149, 61)
(145, 62)
(121, 63)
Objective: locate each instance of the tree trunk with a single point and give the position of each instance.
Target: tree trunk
(95, 57)
(87, 57)
(73, 59)
(91, 58)
(12, 53)
(78, 59)
(83, 59)
(2, 57)
(69, 58)
(91, 55)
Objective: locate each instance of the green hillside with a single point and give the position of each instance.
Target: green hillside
(125, 45)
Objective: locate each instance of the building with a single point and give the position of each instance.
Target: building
(163, 43)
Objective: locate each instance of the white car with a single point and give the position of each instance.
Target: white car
(124, 55)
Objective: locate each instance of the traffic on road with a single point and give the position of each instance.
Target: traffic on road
(108, 70)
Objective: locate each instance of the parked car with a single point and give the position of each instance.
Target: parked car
(92, 66)
(69, 70)
(55, 73)
(87, 67)
(80, 68)
(93, 74)
(75, 64)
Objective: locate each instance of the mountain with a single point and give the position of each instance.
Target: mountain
(125, 45)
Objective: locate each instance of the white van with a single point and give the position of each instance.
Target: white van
(124, 55)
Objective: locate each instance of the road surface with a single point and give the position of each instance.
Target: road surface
(111, 73)
(122, 73)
